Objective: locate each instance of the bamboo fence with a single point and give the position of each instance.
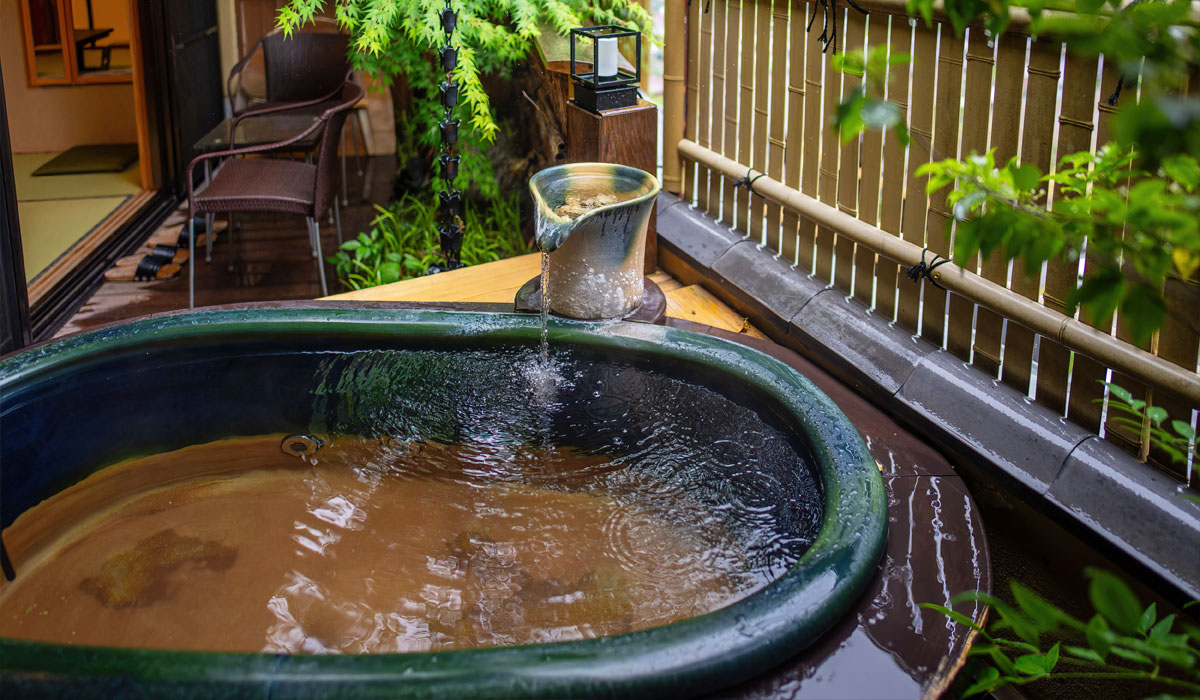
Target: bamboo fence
(751, 88)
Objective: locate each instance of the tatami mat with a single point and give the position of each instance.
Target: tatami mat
(50, 227)
(30, 188)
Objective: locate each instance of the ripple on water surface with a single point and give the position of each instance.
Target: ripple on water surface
(462, 499)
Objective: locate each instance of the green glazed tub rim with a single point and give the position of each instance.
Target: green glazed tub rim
(699, 654)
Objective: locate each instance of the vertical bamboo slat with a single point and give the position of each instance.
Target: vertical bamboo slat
(762, 91)
(916, 204)
(1176, 408)
(1127, 439)
(716, 103)
(792, 154)
(1037, 145)
(977, 99)
(865, 259)
(674, 94)
(692, 108)
(852, 36)
(775, 133)
(945, 145)
(1075, 129)
(872, 140)
(806, 230)
(704, 121)
(887, 273)
(1086, 374)
(959, 316)
(828, 174)
(733, 42)
(745, 110)
(1005, 139)
(1179, 341)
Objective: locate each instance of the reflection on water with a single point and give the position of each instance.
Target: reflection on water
(511, 534)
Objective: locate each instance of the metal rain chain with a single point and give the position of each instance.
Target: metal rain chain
(450, 225)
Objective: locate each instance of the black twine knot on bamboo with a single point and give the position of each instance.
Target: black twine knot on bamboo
(923, 270)
(829, 23)
(748, 182)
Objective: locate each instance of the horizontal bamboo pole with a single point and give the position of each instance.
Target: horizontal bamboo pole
(1080, 337)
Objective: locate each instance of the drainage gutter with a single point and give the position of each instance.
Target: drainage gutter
(1127, 509)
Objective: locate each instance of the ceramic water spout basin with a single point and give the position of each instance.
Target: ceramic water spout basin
(750, 445)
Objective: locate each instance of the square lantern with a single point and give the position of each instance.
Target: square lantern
(606, 86)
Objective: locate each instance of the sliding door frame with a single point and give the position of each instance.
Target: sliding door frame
(15, 329)
(53, 298)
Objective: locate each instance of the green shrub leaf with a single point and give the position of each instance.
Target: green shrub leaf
(389, 272)
(1043, 613)
(1149, 615)
(1144, 311)
(1098, 636)
(1114, 600)
(1031, 665)
(988, 681)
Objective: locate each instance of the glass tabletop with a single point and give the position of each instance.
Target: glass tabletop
(256, 131)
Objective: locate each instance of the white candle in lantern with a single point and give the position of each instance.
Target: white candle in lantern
(606, 57)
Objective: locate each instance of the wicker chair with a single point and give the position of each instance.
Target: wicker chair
(273, 184)
(302, 72)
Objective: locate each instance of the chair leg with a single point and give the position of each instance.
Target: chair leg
(315, 228)
(366, 181)
(345, 199)
(210, 222)
(191, 261)
(360, 138)
(312, 241)
(337, 217)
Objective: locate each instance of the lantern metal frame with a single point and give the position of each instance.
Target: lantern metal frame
(597, 93)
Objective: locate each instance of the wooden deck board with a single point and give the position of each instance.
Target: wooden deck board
(491, 282)
(499, 281)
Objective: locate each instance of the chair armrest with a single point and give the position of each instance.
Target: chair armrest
(236, 72)
(284, 107)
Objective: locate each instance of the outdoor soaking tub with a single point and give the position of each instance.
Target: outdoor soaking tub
(724, 427)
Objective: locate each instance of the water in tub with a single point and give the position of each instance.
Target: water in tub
(386, 544)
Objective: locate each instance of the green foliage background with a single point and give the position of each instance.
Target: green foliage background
(394, 37)
(403, 242)
(1122, 641)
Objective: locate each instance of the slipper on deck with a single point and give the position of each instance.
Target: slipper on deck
(165, 254)
(178, 235)
(149, 269)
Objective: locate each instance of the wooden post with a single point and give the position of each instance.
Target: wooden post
(674, 66)
(627, 136)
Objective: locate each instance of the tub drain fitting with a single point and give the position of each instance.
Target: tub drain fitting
(301, 445)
